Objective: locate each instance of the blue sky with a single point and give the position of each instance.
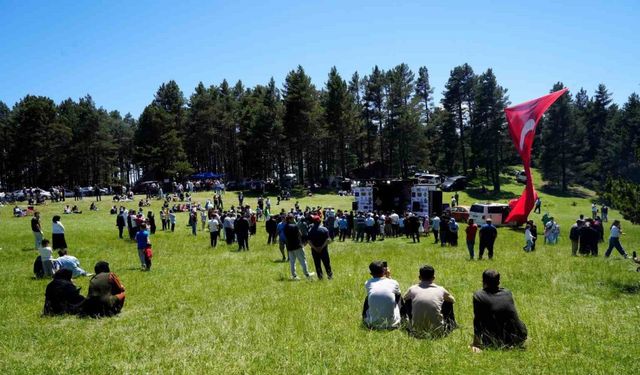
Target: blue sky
(121, 51)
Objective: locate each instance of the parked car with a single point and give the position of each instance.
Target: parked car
(521, 177)
(88, 191)
(456, 183)
(498, 212)
(19, 194)
(141, 187)
(460, 213)
(428, 179)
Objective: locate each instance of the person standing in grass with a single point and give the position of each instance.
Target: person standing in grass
(36, 228)
(428, 307)
(319, 239)
(271, 226)
(381, 308)
(614, 240)
(151, 219)
(282, 240)
(295, 248)
(435, 227)
(241, 227)
(488, 235)
(193, 222)
(574, 236)
(121, 221)
(528, 238)
(538, 206)
(453, 232)
(495, 320)
(471, 231)
(172, 220)
(142, 240)
(214, 229)
(57, 234)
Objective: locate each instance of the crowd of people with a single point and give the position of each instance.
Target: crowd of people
(426, 309)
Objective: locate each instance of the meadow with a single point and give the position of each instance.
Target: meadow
(202, 310)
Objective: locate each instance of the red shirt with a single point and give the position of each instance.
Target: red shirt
(471, 232)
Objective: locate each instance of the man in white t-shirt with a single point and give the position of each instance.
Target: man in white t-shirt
(214, 229)
(382, 304)
(429, 307)
(394, 223)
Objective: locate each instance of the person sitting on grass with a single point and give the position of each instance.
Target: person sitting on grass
(62, 296)
(495, 320)
(46, 258)
(66, 261)
(106, 293)
(381, 308)
(428, 307)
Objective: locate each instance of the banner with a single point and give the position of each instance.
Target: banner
(523, 119)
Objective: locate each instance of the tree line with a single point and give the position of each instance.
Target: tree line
(386, 118)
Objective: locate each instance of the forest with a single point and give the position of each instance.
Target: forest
(386, 117)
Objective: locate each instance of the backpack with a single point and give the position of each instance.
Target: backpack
(38, 270)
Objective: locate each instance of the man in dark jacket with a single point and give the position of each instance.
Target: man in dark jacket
(272, 230)
(62, 296)
(495, 319)
(589, 237)
(241, 227)
(488, 235)
(319, 239)
(106, 293)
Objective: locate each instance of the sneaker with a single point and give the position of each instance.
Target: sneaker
(295, 278)
(310, 275)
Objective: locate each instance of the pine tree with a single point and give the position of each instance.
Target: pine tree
(458, 101)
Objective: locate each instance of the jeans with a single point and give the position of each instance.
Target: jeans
(142, 257)
(528, 245)
(298, 254)
(194, 228)
(214, 238)
(320, 258)
(38, 239)
(436, 233)
(470, 245)
(615, 242)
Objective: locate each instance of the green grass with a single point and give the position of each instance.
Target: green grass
(205, 311)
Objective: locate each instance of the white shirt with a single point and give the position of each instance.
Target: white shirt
(383, 310)
(58, 228)
(426, 306)
(45, 253)
(527, 235)
(214, 225)
(394, 218)
(615, 232)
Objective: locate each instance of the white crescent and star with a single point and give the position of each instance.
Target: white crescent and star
(528, 126)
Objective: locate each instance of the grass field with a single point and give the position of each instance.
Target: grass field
(205, 311)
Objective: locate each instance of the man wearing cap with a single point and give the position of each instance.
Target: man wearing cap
(295, 248)
(488, 234)
(319, 240)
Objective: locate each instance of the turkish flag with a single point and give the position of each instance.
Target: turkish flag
(523, 119)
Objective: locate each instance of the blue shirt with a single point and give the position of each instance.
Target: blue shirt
(615, 232)
(280, 229)
(342, 223)
(142, 237)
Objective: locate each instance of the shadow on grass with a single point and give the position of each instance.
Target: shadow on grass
(489, 195)
(570, 193)
(626, 287)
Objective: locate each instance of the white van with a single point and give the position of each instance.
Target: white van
(479, 212)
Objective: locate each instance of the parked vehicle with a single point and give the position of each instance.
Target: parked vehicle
(521, 177)
(460, 213)
(142, 186)
(498, 212)
(20, 196)
(428, 179)
(455, 183)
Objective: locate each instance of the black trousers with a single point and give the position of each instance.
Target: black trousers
(272, 238)
(415, 235)
(320, 258)
(243, 241)
(120, 230)
(436, 232)
(229, 235)
(488, 246)
(214, 238)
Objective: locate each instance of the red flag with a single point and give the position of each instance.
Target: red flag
(523, 119)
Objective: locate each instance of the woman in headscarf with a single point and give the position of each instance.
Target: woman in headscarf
(106, 293)
(62, 296)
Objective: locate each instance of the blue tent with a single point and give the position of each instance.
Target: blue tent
(206, 175)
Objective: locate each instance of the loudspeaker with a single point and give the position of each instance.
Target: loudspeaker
(435, 203)
(416, 207)
(354, 206)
